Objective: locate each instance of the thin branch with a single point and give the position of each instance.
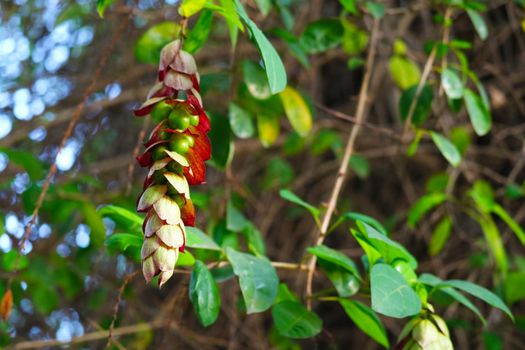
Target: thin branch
(424, 77)
(349, 150)
(343, 116)
(117, 304)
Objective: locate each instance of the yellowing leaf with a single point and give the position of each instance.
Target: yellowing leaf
(190, 7)
(268, 129)
(404, 72)
(296, 110)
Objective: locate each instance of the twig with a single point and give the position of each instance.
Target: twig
(117, 304)
(349, 149)
(343, 116)
(136, 150)
(67, 134)
(424, 77)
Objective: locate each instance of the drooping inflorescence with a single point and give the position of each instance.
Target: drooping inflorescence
(175, 154)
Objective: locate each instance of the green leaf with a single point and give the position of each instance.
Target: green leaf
(350, 6)
(440, 236)
(148, 47)
(324, 140)
(198, 35)
(102, 5)
(229, 12)
(285, 294)
(185, 259)
(452, 83)
(296, 110)
(257, 278)
(331, 255)
(255, 80)
(376, 9)
(279, 173)
(204, 294)
(423, 105)
(391, 295)
(293, 320)
(423, 205)
(364, 218)
(44, 297)
(94, 220)
(346, 283)
(274, 67)
(221, 143)
(479, 24)
(366, 319)
(195, 238)
(255, 240)
(433, 281)
(128, 220)
(10, 260)
(264, 5)
(513, 225)
(292, 197)
(513, 287)
(322, 35)
(479, 292)
(240, 121)
(405, 73)
(389, 249)
(354, 39)
(235, 220)
(494, 241)
(190, 7)
(447, 148)
(293, 45)
(27, 161)
(123, 241)
(479, 115)
(360, 166)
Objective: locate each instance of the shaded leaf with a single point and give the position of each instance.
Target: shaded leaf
(198, 35)
(204, 294)
(366, 319)
(293, 320)
(423, 205)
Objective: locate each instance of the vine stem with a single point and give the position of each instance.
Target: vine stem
(77, 114)
(349, 150)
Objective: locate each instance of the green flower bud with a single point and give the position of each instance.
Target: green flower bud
(161, 111)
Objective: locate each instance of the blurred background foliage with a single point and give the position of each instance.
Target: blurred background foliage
(456, 200)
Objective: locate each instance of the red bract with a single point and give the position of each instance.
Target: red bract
(175, 153)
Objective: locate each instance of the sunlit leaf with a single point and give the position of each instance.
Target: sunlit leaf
(257, 278)
(447, 148)
(148, 47)
(391, 295)
(296, 110)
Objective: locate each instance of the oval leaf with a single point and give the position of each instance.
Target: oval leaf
(257, 278)
(296, 110)
(391, 295)
(293, 320)
(447, 148)
(204, 294)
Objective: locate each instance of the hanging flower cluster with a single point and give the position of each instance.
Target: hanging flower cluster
(175, 154)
